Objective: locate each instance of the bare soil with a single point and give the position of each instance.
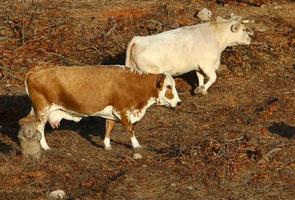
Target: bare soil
(237, 142)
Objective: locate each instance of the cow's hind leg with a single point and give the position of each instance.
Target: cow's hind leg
(210, 73)
(110, 124)
(200, 80)
(41, 109)
(43, 117)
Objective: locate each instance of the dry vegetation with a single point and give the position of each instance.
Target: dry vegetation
(235, 143)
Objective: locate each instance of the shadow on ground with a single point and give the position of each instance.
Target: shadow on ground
(282, 129)
(87, 127)
(13, 108)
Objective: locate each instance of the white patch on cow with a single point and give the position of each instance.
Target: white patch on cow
(108, 113)
(134, 115)
(135, 142)
(162, 99)
(57, 113)
(41, 127)
(107, 143)
(43, 142)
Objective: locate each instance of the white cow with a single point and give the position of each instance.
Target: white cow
(181, 50)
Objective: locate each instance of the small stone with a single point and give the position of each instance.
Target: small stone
(173, 184)
(195, 154)
(144, 165)
(137, 156)
(190, 187)
(205, 14)
(57, 194)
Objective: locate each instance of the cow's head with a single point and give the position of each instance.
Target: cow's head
(239, 34)
(167, 92)
(236, 30)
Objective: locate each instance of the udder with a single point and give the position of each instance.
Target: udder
(57, 115)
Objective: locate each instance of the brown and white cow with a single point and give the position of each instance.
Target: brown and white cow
(116, 93)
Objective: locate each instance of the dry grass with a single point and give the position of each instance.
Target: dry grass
(235, 143)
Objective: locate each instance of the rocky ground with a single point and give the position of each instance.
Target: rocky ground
(235, 143)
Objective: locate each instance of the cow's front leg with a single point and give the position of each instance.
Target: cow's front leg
(128, 125)
(210, 73)
(110, 124)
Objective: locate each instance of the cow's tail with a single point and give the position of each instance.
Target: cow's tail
(31, 71)
(130, 62)
(26, 81)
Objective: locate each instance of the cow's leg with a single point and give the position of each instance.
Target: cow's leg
(42, 113)
(43, 117)
(200, 80)
(210, 73)
(110, 124)
(128, 125)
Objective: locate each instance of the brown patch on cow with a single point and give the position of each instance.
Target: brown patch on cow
(160, 81)
(169, 93)
(90, 89)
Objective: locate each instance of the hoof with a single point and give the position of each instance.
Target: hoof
(108, 148)
(47, 149)
(200, 90)
(138, 148)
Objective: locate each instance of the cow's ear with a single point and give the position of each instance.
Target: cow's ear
(160, 80)
(235, 27)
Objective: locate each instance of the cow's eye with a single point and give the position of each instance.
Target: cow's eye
(169, 87)
(244, 29)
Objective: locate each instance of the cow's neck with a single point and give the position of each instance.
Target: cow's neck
(223, 36)
(148, 93)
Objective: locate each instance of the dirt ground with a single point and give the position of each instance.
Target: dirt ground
(237, 142)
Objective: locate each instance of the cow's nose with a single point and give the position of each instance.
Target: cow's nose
(179, 103)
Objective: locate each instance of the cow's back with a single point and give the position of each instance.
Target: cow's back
(176, 51)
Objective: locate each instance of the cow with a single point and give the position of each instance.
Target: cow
(116, 93)
(181, 50)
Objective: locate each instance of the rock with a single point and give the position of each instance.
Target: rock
(137, 156)
(57, 194)
(205, 15)
(30, 137)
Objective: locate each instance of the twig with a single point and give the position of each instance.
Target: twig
(236, 139)
(268, 154)
(62, 58)
(111, 29)
(90, 45)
